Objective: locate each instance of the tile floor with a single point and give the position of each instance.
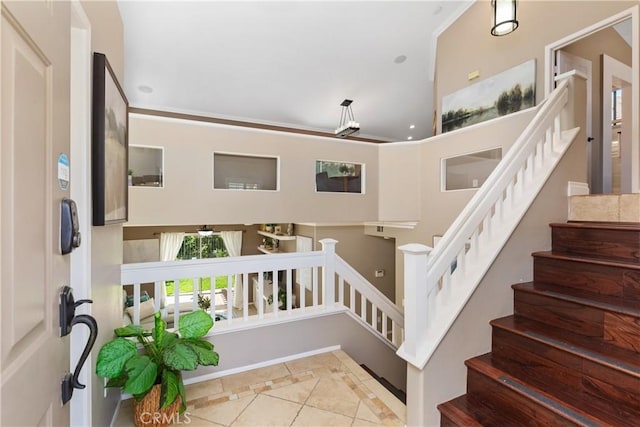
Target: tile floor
(329, 389)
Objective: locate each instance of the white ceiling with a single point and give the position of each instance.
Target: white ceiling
(288, 63)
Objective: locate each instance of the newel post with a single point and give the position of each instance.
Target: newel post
(415, 295)
(329, 272)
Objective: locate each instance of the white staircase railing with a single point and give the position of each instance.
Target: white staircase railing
(439, 282)
(329, 285)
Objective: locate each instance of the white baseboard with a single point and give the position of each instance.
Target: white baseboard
(577, 189)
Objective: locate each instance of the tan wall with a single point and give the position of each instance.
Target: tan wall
(609, 42)
(106, 242)
(188, 197)
(437, 208)
(467, 44)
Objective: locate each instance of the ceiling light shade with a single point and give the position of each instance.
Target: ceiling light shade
(205, 231)
(504, 17)
(348, 126)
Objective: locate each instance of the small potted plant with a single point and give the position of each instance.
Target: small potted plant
(204, 302)
(154, 376)
(282, 299)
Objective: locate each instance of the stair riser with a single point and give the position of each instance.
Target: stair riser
(623, 245)
(573, 317)
(509, 403)
(601, 279)
(571, 377)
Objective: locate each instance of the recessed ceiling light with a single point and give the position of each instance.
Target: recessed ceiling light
(400, 59)
(409, 138)
(145, 89)
(412, 126)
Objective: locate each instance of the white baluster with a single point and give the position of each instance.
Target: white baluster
(176, 303)
(136, 303)
(275, 287)
(352, 298)
(315, 286)
(259, 299)
(385, 333)
(230, 297)
(194, 295)
(341, 291)
(329, 272)
(245, 296)
(363, 308)
(157, 291)
(303, 297)
(374, 316)
(289, 292)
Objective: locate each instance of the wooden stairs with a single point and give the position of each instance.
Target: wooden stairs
(570, 354)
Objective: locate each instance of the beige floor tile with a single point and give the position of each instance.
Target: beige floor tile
(335, 396)
(387, 398)
(324, 360)
(245, 379)
(356, 369)
(341, 355)
(314, 417)
(203, 389)
(193, 421)
(298, 392)
(223, 413)
(267, 411)
(365, 413)
(357, 422)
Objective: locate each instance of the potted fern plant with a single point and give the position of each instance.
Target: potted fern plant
(154, 376)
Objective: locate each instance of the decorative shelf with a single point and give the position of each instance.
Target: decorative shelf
(276, 236)
(267, 251)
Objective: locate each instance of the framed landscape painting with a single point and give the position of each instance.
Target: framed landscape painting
(505, 93)
(109, 134)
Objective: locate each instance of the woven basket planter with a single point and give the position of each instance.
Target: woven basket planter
(147, 412)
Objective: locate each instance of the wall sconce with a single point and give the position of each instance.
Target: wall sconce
(504, 17)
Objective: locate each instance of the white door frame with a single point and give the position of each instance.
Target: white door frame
(549, 52)
(80, 170)
(612, 69)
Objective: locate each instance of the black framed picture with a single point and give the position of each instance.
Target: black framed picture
(110, 140)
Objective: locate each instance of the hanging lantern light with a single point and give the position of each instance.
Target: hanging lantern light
(504, 17)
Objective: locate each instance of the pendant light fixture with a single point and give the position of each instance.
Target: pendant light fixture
(205, 231)
(348, 125)
(504, 14)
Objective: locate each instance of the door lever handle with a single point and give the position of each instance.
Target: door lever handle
(68, 319)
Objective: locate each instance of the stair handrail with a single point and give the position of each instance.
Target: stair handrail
(457, 263)
(454, 239)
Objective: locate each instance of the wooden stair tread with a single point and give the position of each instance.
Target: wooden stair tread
(633, 226)
(589, 348)
(460, 412)
(484, 365)
(602, 302)
(586, 259)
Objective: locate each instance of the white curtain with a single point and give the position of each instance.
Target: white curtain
(169, 247)
(233, 242)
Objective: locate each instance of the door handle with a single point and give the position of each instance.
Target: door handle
(68, 319)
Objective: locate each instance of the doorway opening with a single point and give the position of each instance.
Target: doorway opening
(616, 37)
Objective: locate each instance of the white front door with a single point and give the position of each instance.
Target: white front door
(34, 126)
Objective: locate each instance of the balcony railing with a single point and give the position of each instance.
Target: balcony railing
(321, 281)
